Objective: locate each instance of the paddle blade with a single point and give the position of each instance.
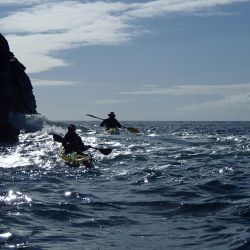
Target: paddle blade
(105, 151)
(57, 138)
(133, 130)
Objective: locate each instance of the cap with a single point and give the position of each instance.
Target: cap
(111, 114)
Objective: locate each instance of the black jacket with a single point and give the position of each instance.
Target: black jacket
(111, 122)
(73, 142)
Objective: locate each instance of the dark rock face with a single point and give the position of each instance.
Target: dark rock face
(16, 92)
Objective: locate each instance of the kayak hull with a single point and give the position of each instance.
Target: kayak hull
(112, 131)
(76, 159)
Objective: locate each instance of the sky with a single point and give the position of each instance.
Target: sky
(162, 60)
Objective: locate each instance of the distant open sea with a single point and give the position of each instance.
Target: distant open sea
(175, 185)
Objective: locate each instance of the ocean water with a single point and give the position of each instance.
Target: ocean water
(175, 185)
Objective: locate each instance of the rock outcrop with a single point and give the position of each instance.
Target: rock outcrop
(16, 91)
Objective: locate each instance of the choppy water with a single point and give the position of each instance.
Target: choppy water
(176, 185)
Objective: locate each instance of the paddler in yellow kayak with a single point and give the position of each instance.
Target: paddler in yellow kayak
(111, 124)
(72, 142)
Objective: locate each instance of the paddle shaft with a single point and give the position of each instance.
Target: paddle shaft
(101, 119)
(105, 151)
(132, 130)
(95, 117)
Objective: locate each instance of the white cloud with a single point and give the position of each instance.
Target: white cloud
(160, 7)
(236, 101)
(111, 101)
(48, 83)
(23, 2)
(40, 82)
(222, 102)
(235, 107)
(178, 90)
(39, 30)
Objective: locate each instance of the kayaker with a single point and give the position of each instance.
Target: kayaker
(110, 122)
(73, 142)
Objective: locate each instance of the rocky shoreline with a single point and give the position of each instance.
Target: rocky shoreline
(16, 92)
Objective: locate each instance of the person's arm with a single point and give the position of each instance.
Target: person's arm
(103, 123)
(80, 143)
(66, 144)
(118, 124)
(85, 147)
(66, 137)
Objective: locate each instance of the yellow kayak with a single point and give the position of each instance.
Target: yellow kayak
(113, 131)
(77, 159)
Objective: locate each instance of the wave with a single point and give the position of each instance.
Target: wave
(175, 185)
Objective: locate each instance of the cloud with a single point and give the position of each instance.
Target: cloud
(39, 30)
(220, 102)
(23, 2)
(111, 101)
(161, 7)
(180, 90)
(226, 103)
(235, 107)
(45, 83)
(51, 83)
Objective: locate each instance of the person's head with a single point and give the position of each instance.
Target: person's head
(111, 114)
(72, 128)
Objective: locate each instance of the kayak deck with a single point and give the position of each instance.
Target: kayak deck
(113, 131)
(76, 159)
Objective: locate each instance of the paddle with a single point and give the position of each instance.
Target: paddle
(105, 151)
(132, 130)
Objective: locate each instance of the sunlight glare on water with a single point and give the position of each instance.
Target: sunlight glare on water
(146, 194)
(14, 160)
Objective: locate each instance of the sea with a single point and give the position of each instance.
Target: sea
(172, 186)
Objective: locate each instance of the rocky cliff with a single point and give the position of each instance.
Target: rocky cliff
(16, 92)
